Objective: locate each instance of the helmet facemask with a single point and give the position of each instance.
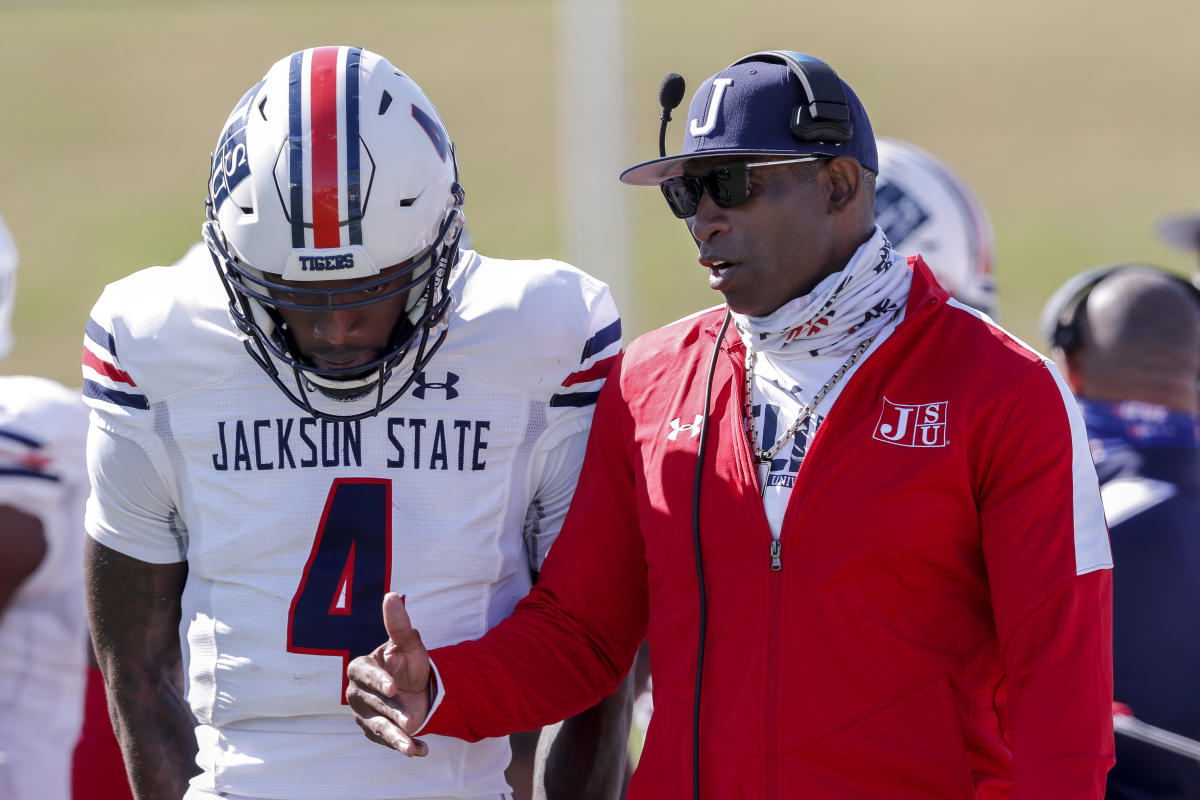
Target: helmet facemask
(272, 225)
(418, 332)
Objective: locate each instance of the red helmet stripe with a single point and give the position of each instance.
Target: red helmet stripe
(324, 131)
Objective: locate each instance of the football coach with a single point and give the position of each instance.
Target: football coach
(857, 520)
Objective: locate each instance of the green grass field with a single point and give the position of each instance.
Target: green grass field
(1077, 123)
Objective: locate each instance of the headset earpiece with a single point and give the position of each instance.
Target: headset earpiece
(825, 114)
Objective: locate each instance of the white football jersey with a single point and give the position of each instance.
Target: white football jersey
(294, 527)
(43, 631)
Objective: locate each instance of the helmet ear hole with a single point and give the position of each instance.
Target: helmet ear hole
(313, 180)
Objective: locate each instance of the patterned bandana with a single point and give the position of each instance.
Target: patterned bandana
(842, 310)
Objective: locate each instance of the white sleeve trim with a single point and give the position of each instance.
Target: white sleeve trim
(438, 695)
(1092, 549)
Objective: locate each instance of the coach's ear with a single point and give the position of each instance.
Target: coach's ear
(842, 178)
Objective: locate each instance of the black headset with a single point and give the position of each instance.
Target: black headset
(1063, 316)
(825, 114)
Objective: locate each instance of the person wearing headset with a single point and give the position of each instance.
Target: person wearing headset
(856, 519)
(923, 206)
(1128, 336)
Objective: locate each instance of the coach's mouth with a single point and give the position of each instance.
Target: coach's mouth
(720, 272)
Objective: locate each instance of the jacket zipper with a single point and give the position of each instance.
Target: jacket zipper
(775, 580)
(775, 614)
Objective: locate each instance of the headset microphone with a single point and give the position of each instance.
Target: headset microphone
(670, 94)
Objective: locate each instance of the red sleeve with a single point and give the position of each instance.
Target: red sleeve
(572, 639)
(1049, 569)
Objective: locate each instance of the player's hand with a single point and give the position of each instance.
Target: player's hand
(389, 688)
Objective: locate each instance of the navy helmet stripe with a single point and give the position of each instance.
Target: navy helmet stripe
(296, 147)
(353, 181)
(126, 399)
(603, 338)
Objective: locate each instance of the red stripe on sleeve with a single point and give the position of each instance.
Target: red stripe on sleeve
(104, 368)
(596, 371)
(324, 127)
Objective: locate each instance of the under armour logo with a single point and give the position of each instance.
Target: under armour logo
(677, 429)
(447, 385)
(710, 122)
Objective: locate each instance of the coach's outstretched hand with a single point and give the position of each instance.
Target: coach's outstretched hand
(389, 688)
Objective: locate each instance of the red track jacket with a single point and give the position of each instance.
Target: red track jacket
(940, 626)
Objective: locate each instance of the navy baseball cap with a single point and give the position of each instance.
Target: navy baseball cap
(746, 109)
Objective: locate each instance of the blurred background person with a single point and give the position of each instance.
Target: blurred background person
(1129, 338)
(925, 207)
(43, 485)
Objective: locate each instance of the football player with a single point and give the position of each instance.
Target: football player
(349, 403)
(924, 207)
(43, 634)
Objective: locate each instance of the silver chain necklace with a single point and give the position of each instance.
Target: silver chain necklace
(765, 456)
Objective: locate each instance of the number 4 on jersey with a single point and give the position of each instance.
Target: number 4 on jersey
(337, 607)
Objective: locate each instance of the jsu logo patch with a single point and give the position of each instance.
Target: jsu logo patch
(922, 425)
(692, 427)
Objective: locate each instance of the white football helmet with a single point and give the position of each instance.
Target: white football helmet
(924, 207)
(335, 166)
(8, 287)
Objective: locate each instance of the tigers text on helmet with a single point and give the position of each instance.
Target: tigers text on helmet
(335, 168)
(924, 207)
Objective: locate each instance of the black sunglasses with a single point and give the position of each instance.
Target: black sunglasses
(728, 185)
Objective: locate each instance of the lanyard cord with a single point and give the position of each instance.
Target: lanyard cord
(712, 368)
